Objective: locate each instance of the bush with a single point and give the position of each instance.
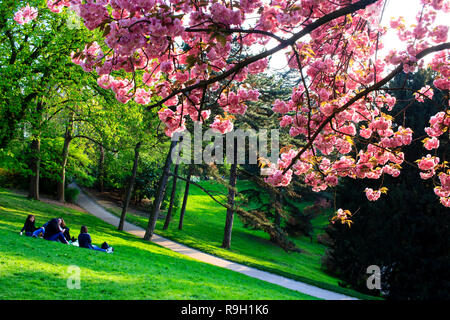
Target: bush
(11, 179)
(71, 195)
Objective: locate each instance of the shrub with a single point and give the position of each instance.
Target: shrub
(71, 194)
(11, 179)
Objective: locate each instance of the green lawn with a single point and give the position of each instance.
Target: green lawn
(204, 226)
(38, 269)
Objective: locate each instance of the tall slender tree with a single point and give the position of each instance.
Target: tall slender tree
(68, 136)
(185, 196)
(231, 202)
(159, 197)
(130, 186)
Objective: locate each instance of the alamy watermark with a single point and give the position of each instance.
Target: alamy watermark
(74, 279)
(212, 147)
(374, 280)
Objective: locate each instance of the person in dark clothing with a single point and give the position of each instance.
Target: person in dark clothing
(29, 226)
(66, 231)
(41, 230)
(53, 231)
(85, 241)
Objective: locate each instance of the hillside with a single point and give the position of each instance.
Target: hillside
(38, 269)
(203, 229)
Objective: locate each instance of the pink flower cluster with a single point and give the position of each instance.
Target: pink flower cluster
(223, 15)
(172, 48)
(428, 164)
(443, 191)
(441, 64)
(174, 121)
(89, 57)
(94, 13)
(439, 123)
(372, 195)
(425, 91)
(278, 179)
(431, 143)
(25, 14)
(142, 96)
(235, 102)
(222, 125)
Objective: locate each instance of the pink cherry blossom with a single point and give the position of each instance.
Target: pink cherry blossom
(25, 14)
(432, 143)
(142, 96)
(184, 53)
(428, 162)
(372, 195)
(425, 91)
(222, 125)
(166, 67)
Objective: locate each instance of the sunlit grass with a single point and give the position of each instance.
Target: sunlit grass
(203, 229)
(38, 269)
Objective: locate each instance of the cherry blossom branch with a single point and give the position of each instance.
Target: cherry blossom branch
(362, 94)
(237, 30)
(306, 30)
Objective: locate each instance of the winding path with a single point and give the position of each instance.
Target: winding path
(95, 209)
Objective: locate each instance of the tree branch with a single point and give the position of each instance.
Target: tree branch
(95, 141)
(360, 95)
(306, 30)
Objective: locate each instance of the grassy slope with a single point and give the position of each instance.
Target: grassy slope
(38, 269)
(204, 226)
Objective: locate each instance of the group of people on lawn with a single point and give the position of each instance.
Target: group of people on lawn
(57, 230)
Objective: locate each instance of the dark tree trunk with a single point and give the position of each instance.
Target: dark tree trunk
(35, 161)
(231, 194)
(130, 187)
(185, 198)
(65, 155)
(33, 192)
(159, 195)
(101, 169)
(278, 206)
(172, 198)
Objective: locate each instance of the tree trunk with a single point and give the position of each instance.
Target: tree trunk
(159, 195)
(277, 212)
(35, 165)
(65, 155)
(185, 198)
(172, 198)
(101, 169)
(130, 187)
(231, 194)
(33, 192)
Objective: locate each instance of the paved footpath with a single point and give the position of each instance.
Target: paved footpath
(95, 209)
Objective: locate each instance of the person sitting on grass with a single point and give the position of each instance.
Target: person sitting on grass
(29, 226)
(85, 241)
(40, 231)
(66, 231)
(54, 232)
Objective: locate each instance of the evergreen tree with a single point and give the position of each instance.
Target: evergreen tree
(406, 232)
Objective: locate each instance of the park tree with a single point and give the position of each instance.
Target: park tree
(76, 111)
(259, 114)
(35, 65)
(407, 234)
(140, 131)
(181, 50)
(33, 59)
(173, 194)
